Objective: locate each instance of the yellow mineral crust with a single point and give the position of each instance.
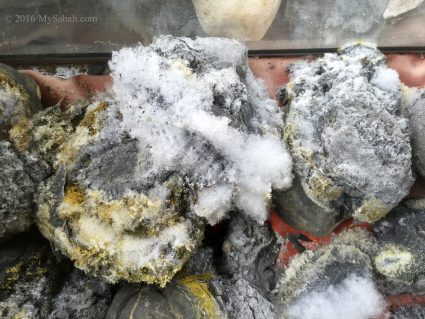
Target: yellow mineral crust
(109, 238)
(393, 261)
(371, 211)
(85, 133)
(19, 118)
(197, 285)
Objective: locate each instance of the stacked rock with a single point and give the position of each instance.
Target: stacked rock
(126, 185)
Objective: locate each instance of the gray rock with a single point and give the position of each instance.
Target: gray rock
(249, 252)
(416, 114)
(349, 143)
(81, 296)
(330, 279)
(409, 312)
(189, 298)
(242, 300)
(401, 254)
(136, 178)
(34, 285)
(20, 174)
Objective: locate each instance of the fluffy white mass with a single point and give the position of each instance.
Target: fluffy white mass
(354, 298)
(198, 110)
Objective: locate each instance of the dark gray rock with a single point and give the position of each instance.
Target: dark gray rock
(242, 300)
(416, 114)
(409, 312)
(328, 281)
(81, 296)
(347, 137)
(249, 252)
(20, 173)
(401, 254)
(34, 285)
(189, 298)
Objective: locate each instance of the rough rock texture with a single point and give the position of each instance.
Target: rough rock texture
(350, 145)
(409, 312)
(242, 300)
(238, 288)
(249, 252)
(189, 297)
(138, 176)
(330, 281)
(416, 114)
(34, 285)
(96, 211)
(195, 107)
(81, 296)
(19, 99)
(401, 254)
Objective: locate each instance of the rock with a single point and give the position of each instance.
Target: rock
(242, 300)
(81, 296)
(239, 19)
(332, 280)
(98, 212)
(348, 140)
(398, 7)
(416, 115)
(189, 297)
(34, 285)
(19, 100)
(408, 312)
(238, 288)
(401, 255)
(249, 252)
(202, 87)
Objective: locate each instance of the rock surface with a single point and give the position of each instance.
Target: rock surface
(34, 285)
(333, 281)
(416, 115)
(183, 137)
(401, 254)
(249, 252)
(349, 142)
(19, 99)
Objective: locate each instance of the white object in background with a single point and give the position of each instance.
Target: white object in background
(397, 7)
(246, 20)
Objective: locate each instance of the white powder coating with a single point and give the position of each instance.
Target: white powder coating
(347, 136)
(197, 109)
(354, 298)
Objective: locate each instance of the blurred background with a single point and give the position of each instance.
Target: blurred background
(40, 27)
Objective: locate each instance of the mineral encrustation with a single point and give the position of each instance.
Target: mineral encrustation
(333, 280)
(33, 284)
(401, 254)
(186, 134)
(19, 99)
(347, 137)
(233, 290)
